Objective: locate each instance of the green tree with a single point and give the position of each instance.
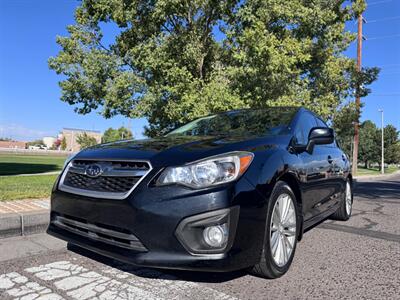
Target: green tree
(85, 140)
(63, 144)
(343, 123)
(393, 154)
(111, 135)
(167, 64)
(391, 142)
(36, 143)
(369, 147)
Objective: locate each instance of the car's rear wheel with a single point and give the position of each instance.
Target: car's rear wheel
(281, 234)
(346, 206)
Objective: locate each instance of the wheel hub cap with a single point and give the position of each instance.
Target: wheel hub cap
(348, 199)
(283, 229)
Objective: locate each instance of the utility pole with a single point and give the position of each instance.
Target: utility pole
(72, 140)
(382, 144)
(356, 125)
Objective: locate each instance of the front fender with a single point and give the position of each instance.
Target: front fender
(274, 166)
(269, 166)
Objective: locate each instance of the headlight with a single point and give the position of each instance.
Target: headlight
(69, 158)
(211, 171)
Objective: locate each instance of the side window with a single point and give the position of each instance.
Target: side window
(320, 123)
(306, 122)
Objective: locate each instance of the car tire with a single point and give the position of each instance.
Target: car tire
(270, 266)
(345, 209)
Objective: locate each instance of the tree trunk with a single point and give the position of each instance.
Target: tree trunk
(200, 67)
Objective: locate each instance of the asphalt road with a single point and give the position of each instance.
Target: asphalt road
(358, 259)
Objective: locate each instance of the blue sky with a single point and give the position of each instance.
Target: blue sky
(29, 94)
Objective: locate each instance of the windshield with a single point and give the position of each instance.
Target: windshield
(269, 121)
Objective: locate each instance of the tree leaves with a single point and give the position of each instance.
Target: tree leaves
(112, 135)
(84, 140)
(172, 61)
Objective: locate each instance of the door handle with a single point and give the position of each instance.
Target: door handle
(330, 159)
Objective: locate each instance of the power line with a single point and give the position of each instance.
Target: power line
(389, 74)
(385, 95)
(389, 70)
(360, 22)
(379, 2)
(383, 19)
(389, 65)
(384, 37)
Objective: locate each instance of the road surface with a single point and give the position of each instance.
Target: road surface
(358, 259)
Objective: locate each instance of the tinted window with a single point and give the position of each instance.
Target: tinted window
(270, 121)
(320, 123)
(304, 125)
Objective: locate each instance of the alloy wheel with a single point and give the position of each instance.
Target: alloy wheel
(283, 229)
(348, 199)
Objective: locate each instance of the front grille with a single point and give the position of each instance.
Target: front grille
(98, 232)
(111, 179)
(103, 183)
(117, 165)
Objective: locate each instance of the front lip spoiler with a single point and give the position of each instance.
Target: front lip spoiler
(147, 259)
(94, 232)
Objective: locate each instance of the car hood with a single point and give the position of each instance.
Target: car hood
(174, 150)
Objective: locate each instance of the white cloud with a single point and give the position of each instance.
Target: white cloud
(22, 133)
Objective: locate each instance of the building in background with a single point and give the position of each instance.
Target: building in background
(49, 141)
(13, 144)
(71, 134)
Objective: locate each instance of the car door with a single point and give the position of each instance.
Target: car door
(334, 180)
(313, 169)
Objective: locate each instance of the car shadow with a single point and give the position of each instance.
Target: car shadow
(385, 189)
(153, 273)
(26, 168)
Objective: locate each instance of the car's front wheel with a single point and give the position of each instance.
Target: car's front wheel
(281, 234)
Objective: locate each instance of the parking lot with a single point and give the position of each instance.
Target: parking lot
(347, 260)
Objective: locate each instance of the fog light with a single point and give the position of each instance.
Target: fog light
(216, 236)
(212, 232)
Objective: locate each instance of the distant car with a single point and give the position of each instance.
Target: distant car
(224, 192)
(37, 147)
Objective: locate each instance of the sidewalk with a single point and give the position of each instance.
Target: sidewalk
(378, 177)
(23, 217)
(36, 174)
(21, 206)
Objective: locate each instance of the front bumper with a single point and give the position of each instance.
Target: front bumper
(153, 216)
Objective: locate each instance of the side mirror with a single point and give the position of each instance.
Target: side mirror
(319, 136)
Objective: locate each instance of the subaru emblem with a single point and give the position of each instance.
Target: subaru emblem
(93, 170)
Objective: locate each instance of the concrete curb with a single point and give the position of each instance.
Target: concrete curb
(18, 224)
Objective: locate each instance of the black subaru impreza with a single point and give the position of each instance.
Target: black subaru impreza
(228, 191)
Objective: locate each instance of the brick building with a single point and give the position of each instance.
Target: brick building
(71, 135)
(12, 144)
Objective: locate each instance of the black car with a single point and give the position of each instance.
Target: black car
(228, 191)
